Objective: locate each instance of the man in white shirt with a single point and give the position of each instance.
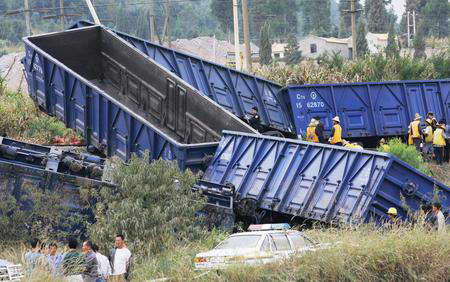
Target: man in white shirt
(120, 258)
(104, 267)
(440, 219)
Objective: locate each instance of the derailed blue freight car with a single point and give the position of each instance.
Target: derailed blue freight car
(269, 178)
(367, 110)
(122, 102)
(24, 166)
(233, 90)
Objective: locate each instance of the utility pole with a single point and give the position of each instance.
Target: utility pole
(247, 49)
(353, 14)
(61, 13)
(237, 52)
(214, 48)
(152, 21)
(410, 26)
(166, 32)
(27, 17)
(408, 31)
(93, 12)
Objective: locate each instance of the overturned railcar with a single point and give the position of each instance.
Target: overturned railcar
(269, 178)
(237, 92)
(121, 101)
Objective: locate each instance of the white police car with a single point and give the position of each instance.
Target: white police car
(264, 243)
(10, 271)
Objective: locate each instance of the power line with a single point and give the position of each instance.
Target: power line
(36, 9)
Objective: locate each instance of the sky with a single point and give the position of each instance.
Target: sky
(399, 7)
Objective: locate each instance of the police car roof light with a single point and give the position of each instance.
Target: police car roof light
(263, 227)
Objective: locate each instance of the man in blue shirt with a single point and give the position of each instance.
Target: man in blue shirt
(32, 256)
(54, 259)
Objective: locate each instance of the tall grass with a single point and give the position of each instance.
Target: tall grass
(371, 68)
(155, 210)
(364, 253)
(22, 120)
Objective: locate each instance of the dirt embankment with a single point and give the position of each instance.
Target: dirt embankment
(11, 71)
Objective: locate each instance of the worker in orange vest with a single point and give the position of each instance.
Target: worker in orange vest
(311, 132)
(336, 132)
(415, 133)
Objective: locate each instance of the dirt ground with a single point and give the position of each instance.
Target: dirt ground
(11, 70)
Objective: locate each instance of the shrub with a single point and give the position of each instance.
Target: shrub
(406, 153)
(33, 212)
(22, 120)
(153, 207)
(331, 68)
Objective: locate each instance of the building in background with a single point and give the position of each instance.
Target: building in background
(313, 46)
(211, 49)
(376, 42)
(278, 50)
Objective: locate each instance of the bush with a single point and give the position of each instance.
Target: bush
(33, 212)
(332, 68)
(406, 153)
(154, 207)
(22, 120)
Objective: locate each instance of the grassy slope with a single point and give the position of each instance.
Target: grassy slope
(364, 253)
(21, 120)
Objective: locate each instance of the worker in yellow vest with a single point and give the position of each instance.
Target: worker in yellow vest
(434, 123)
(383, 145)
(429, 135)
(311, 132)
(415, 133)
(350, 145)
(336, 132)
(439, 143)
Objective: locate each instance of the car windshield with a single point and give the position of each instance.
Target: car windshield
(237, 242)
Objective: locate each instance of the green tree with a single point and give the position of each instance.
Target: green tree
(419, 42)
(362, 47)
(343, 30)
(392, 49)
(153, 206)
(436, 18)
(367, 9)
(223, 12)
(282, 16)
(37, 213)
(265, 46)
(378, 18)
(316, 17)
(293, 55)
(345, 21)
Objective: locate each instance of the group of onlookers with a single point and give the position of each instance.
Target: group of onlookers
(89, 265)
